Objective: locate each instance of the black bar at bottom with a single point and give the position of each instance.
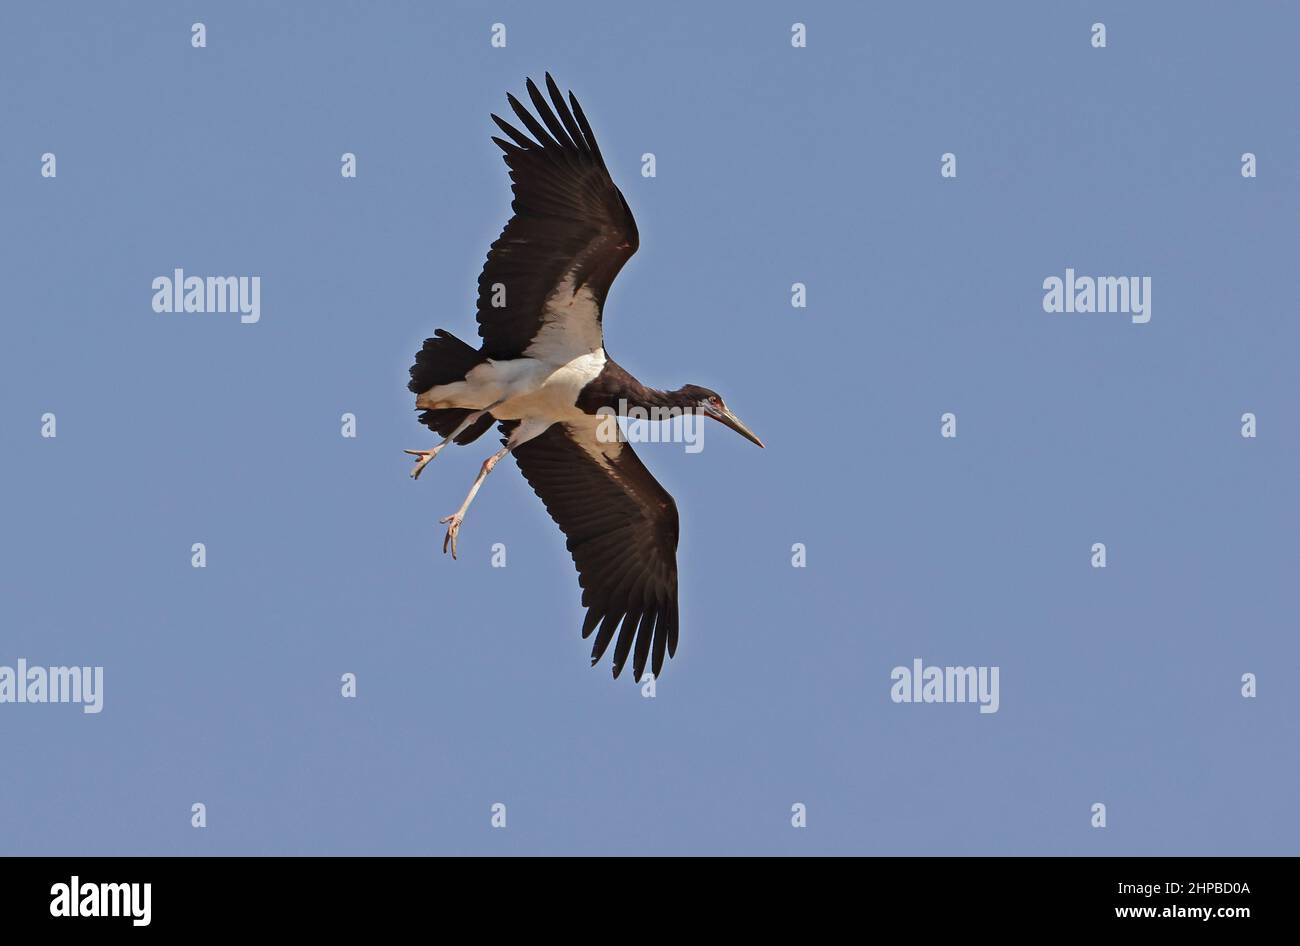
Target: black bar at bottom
(172, 895)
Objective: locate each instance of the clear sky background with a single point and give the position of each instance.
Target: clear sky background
(775, 165)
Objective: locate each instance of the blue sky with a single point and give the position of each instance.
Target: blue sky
(774, 165)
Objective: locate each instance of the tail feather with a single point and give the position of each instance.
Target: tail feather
(443, 360)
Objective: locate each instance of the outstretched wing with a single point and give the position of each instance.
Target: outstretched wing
(621, 527)
(546, 276)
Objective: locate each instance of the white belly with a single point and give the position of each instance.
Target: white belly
(521, 388)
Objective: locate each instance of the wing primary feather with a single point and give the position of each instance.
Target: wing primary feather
(605, 634)
(644, 637)
(661, 638)
(506, 146)
(515, 134)
(534, 127)
(672, 628)
(553, 123)
(626, 634)
(575, 133)
(586, 129)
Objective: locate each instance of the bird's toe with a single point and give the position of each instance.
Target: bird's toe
(453, 531)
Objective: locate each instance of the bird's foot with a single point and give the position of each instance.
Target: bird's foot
(453, 530)
(422, 459)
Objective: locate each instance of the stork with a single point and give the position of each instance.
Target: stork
(542, 374)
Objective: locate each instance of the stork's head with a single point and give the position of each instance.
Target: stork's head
(703, 401)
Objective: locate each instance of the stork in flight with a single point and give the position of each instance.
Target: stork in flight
(542, 372)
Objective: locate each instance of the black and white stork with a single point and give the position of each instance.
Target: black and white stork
(543, 373)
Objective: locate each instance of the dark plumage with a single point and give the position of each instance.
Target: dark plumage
(543, 372)
(621, 529)
(569, 219)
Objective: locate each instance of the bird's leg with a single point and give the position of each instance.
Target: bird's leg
(454, 520)
(523, 432)
(424, 456)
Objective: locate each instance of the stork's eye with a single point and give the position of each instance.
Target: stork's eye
(715, 401)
